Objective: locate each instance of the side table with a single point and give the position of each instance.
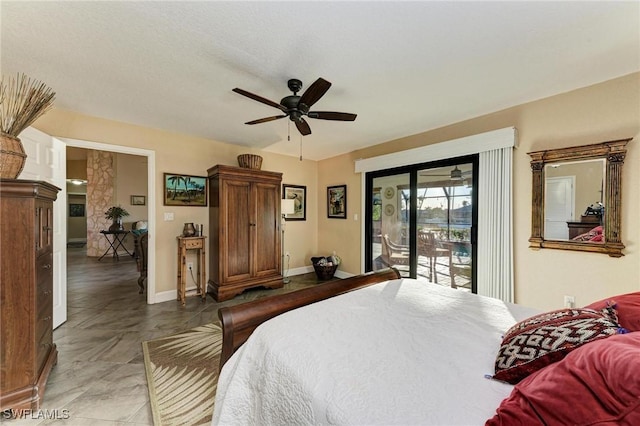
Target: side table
(115, 243)
(191, 243)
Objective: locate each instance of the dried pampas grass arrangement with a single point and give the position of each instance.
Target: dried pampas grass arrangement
(22, 101)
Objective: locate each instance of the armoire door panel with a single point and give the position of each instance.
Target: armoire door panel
(267, 241)
(238, 230)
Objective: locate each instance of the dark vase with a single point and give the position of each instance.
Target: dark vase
(116, 225)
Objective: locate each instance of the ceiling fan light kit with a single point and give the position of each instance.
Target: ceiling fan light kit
(296, 107)
(456, 174)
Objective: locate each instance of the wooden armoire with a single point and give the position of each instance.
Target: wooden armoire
(27, 351)
(244, 230)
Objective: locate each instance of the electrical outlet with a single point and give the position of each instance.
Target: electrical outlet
(569, 301)
(190, 266)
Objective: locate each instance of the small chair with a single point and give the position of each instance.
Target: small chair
(429, 248)
(462, 270)
(394, 254)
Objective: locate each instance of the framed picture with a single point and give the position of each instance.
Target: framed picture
(76, 210)
(337, 202)
(298, 194)
(185, 190)
(138, 200)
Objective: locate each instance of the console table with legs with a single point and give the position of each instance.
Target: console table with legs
(198, 244)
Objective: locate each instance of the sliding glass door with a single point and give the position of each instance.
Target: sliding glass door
(421, 220)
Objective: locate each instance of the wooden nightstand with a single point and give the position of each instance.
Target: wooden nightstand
(191, 243)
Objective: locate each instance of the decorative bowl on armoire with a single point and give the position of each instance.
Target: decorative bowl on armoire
(250, 161)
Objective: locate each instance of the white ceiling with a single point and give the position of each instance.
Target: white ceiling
(403, 67)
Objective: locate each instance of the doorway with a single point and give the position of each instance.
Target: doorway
(150, 199)
(421, 219)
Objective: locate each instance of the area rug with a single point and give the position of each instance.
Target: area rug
(182, 375)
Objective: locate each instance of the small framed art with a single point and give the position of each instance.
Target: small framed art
(298, 193)
(185, 190)
(138, 200)
(76, 210)
(337, 202)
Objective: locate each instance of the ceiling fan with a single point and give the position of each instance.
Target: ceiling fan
(296, 107)
(455, 174)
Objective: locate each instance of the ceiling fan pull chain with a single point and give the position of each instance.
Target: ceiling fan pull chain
(289, 131)
(300, 147)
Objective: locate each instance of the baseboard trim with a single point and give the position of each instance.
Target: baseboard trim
(170, 295)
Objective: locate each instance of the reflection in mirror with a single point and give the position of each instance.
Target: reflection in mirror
(574, 200)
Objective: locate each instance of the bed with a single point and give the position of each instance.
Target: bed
(384, 350)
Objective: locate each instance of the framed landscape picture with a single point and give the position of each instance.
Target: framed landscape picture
(138, 200)
(185, 190)
(337, 202)
(298, 194)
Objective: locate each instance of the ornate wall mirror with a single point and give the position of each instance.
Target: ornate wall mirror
(577, 198)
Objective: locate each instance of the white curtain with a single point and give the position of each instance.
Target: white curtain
(495, 224)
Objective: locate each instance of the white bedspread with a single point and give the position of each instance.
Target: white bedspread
(399, 352)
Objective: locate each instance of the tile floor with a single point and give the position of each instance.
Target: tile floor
(100, 378)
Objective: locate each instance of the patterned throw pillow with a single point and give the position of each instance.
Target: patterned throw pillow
(546, 338)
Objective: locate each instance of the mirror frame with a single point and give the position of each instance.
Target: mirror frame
(613, 152)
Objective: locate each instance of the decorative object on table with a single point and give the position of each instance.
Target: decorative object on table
(325, 267)
(337, 202)
(185, 190)
(116, 213)
(22, 101)
(287, 206)
(189, 230)
(297, 193)
(250, 161)
(596, 209)
(138, 200)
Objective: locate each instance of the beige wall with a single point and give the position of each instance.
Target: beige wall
(189, 155)
(606, 111)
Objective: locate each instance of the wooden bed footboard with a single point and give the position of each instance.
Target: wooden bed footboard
(238, 322)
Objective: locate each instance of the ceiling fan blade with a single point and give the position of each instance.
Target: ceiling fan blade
(314, 92)
(259, 99)
(303, 127)
(331, 115)
(264, 120)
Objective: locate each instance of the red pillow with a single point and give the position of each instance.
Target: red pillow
(546, 338)
(597, 239)
(596, 384)
(627, 306)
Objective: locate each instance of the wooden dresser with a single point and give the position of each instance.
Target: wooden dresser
(244, 237)
(586, 224)
(27, 351)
